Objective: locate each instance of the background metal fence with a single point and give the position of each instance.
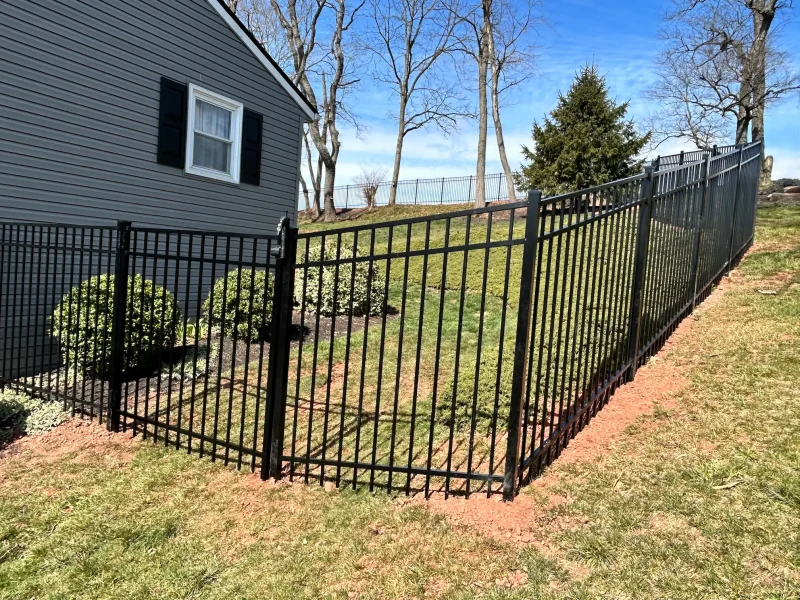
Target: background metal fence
(456, 352)
(440, 190)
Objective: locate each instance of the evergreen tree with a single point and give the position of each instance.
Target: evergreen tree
(585, 141)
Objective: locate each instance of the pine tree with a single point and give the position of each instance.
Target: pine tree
(585, 141)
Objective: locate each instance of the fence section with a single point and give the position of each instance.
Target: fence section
(211, 313)
(583, 289)
(441, 190)
(39, 264)
(618, 267)
(401, 380)
(175, 335)
(456, 352)
(672, 160)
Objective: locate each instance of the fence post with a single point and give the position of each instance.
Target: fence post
(639, 269)
(416, 190)
(696, 252)
(280, 338)
(735, 210)
(119, 311)
(755, 192)
(441, 195)
(346, 195)
(4, 288)
(521, 346)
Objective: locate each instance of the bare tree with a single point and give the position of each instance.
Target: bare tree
(473, 42)
(369, 181)
(496, 34)
(765, 57)
(511, 26)
(721, 66)
(260, 18)
(331, 69)
(409, 41)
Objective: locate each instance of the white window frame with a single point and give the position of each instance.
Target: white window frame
(237, 110)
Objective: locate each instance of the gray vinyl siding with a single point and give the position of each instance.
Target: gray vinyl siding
(79, 102)
(79, 112)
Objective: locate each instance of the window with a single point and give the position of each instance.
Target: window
(214, 140)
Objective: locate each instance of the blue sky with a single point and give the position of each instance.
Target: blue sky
(619, 36)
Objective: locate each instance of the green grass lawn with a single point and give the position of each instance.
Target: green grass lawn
(699, 498)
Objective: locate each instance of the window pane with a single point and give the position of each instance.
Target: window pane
(212, 119)
(211, 153)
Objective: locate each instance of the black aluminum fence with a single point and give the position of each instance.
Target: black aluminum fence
(456, 352)
(441, 190)
(681, 158)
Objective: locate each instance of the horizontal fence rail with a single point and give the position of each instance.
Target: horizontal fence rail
(440, 190)
(457, 352)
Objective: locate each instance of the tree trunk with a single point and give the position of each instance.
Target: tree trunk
(318, 189)
(305, 193)
(398, 154)
(498, 125)
(480, 167)
(742, 125)
(330, 177)
(315, 177)
(763, 14)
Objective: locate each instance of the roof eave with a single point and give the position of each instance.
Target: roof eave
(264, 58)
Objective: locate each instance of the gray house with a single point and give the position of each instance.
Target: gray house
(164, 113)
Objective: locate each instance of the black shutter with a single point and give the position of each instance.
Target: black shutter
(252, 124)
(172, 123)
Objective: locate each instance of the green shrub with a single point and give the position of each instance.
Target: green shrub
(368, 293)
(82, 324)
(20, 413)
(247, 299)
(484, 407)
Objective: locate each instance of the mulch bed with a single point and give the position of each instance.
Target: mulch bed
(92, 393)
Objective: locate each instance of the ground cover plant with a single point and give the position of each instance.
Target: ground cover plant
(697, 497)
(21, 414)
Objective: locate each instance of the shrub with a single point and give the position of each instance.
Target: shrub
(484, 407)
(246, 296)
(82, 323)
(368, 292)
(20, 413)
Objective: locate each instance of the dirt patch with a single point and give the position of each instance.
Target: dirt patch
(515, 522)
(76, 437)
(655, 386)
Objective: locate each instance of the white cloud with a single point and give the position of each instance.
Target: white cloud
(787, 163)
